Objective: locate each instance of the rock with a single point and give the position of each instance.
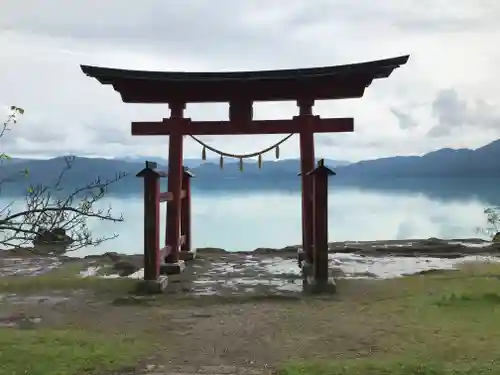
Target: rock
(215, 250)
(19, 321)
(52, 241)
(265, 250)
(350, 249)
(434, 241)
(291, 248)
(123, 267)
(111, 255)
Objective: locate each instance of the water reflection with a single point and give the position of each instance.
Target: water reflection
(237, 220)
(272, 219)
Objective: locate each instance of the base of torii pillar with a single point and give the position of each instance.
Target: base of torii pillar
(312, 285)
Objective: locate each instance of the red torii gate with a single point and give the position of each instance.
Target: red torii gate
(241, 90)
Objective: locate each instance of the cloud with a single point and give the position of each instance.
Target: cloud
(447, 90)
(453, 114)
(405, 120)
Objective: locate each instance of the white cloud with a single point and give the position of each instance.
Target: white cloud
(450, 45)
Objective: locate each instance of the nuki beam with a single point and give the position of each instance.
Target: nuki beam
(168, 196)
(188, 127)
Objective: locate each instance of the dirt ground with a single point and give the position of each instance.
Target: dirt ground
(244, 331)
(191, 334)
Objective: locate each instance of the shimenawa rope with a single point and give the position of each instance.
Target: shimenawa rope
(240, 156)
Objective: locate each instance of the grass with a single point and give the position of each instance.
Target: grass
(65, 352)
(447, 324)
(394, 367)
(433, 324)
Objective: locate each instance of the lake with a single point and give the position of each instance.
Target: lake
(245, 220)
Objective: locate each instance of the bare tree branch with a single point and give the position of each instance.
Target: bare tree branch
(52, 220)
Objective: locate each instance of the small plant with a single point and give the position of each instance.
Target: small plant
(492, 229)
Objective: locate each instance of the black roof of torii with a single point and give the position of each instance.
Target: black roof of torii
(333, 82)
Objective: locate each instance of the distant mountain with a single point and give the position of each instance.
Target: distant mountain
(190, 163)
(85, 170)
(444, 163)
(11, 161)
(195, 163)
(138, 159)
(463, 163)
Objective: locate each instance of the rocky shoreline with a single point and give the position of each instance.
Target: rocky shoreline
(431, 247)
(269, 271)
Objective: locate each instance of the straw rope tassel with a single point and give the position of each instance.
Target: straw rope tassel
(237, 156)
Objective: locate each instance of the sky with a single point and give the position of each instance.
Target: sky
(447, 95)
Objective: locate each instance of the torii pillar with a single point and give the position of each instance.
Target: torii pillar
(175, 177)
(306, 121)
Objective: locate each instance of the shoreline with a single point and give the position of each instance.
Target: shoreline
(266, 271)
(430, 247)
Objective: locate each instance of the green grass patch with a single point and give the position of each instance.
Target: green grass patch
(49, 283)
(388, 367)
(436, 324)
(66, 352)
(468, 300)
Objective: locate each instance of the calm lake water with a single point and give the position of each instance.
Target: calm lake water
(247, 220)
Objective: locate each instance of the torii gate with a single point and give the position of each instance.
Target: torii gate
(241, 90)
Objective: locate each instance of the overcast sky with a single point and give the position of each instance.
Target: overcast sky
(448, 95)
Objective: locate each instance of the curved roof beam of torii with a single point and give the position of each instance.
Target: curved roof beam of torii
(334, 82)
